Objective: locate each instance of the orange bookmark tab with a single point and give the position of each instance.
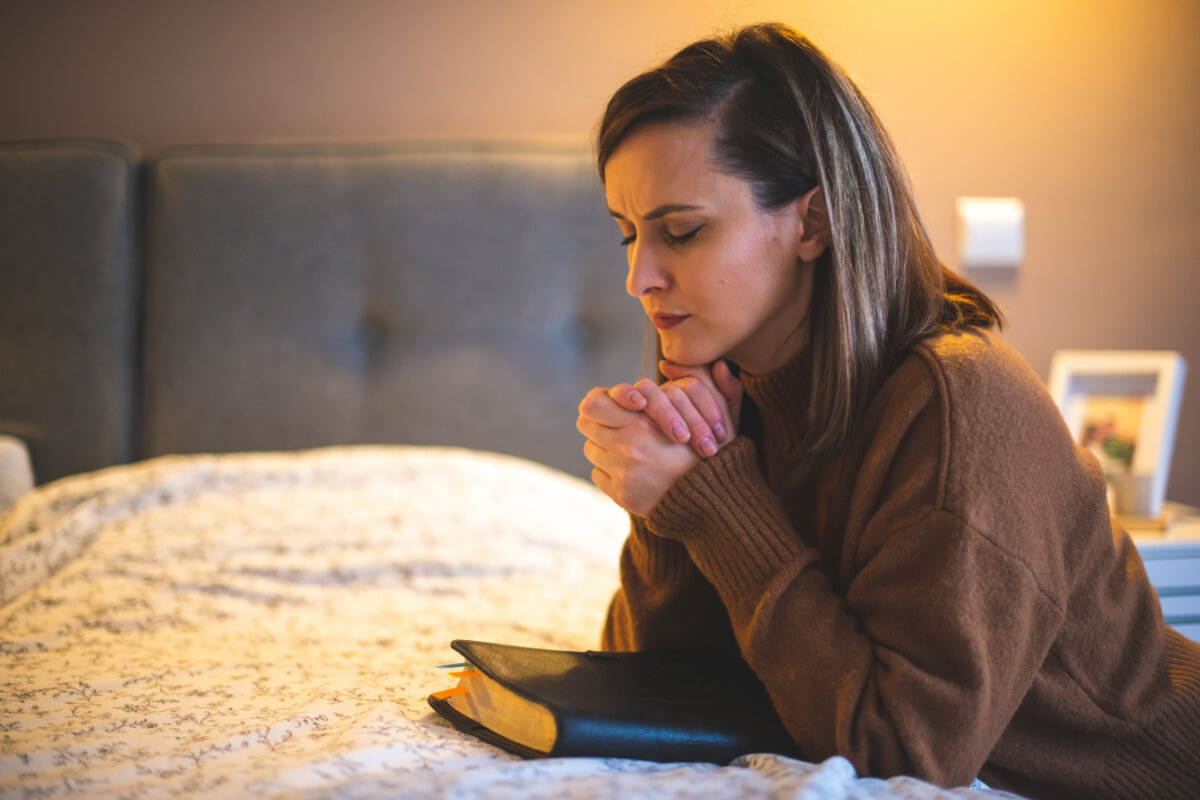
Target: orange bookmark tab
(442, 695)
(466, 673)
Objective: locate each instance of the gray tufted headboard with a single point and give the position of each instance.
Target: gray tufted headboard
(68, 302)
(227, 297)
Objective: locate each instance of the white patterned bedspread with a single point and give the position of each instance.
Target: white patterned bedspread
(268, 625)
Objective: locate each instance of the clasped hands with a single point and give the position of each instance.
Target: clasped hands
(642, 438)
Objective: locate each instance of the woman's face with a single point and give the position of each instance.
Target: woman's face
(718, 277)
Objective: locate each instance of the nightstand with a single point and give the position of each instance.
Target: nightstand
(1172, 561)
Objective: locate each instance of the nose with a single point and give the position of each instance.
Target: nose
(646, 275)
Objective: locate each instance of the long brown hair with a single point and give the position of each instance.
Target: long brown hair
(788, 119)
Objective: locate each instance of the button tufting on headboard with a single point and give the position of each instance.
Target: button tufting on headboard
(462, 295)
(371, 333)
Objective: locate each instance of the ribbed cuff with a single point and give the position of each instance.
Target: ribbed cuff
(1159, 760)
(735, 528)
(656, 559)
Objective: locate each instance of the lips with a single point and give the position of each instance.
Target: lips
(664, 322)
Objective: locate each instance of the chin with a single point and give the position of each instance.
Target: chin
(690, 356)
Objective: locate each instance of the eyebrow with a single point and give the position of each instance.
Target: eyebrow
(661, 211)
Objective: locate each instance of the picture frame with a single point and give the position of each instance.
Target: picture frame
(1124, 406)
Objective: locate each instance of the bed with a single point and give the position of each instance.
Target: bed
(298, 415)
(269, 625)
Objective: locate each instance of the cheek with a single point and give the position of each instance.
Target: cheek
(736, 280)
(749, 274)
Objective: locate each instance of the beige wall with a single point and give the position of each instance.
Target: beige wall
(1085, 109)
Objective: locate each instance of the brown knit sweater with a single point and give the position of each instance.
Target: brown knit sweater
(949, 599)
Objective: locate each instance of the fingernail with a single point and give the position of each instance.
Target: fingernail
(719, 430)
(708, 447)
(636, 399)
(680, 431)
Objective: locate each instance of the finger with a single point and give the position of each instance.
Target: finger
(627, 397)
(670, 406)
(596, 455)
(607, 484)
(703, 438)
(664, 414)
(727, 383)
(672, 370)
(730, 386)
(707, 402)
(597, 406)
(724, 425)
(679, 372)
(721, 380)
(609, 461)
(595, 431)
(618, 438)
(602, 481)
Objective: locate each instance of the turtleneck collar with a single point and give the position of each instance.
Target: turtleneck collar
(781, 397)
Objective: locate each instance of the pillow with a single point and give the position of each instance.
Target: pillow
(16, 473)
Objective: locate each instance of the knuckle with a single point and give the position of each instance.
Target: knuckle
(588, 403)
(662, 417)
(652, 423)
(645, 385)
(673, 392)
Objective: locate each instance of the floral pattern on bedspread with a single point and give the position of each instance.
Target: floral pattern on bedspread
(268, 625)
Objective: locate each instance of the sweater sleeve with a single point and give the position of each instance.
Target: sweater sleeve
(663, 601)
(917, 658)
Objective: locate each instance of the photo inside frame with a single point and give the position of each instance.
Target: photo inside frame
(1108, 416)
(1111, 426)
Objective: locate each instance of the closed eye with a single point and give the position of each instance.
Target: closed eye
(671, 238)
(683, 238)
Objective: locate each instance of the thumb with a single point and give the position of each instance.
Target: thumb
(729, 385)
(672, 371)
(727, 382)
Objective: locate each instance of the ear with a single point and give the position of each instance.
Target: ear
(812, 225)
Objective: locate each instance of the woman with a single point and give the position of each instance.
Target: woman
(878, 504)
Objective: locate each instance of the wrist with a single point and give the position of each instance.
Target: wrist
(692, 502)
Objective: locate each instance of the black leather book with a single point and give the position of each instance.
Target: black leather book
(656, 706)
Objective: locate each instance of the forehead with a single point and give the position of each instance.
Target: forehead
(660, 163)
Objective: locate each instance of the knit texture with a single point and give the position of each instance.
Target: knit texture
(948, 599)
